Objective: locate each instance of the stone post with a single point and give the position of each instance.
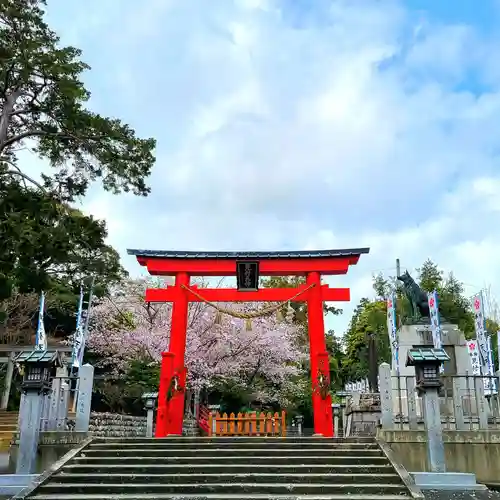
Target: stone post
(197, 403)
(44, 421)
(412, 403)
(435, 444)
(299, 419)
(55, 394)
(481, 404)
(336, 418)
(86, 379)
(63, 405)
(30, 414)
(150, 399)
(214, 409)
(8, 382)
(386, 406)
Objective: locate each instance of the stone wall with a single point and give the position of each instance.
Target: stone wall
(465, 451)
(115, 425)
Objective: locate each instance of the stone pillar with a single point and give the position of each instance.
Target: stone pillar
(386, 406)
(149, 423)
(44, 421)
(8, 382)
(149, 399)
(86, 376)
(481, 403)
(63, 405)
(197, 403)
(458, 409)
(336, 417)
(412, 403)
(55, 394)
(30, 414)
(299, 419)
(435, 445)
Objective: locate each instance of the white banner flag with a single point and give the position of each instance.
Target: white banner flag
(41, 337)
(481, 338)
(492, 386)
(392, 328)
(78, 339)
(498, 348)
(432, 299)
(474, 357)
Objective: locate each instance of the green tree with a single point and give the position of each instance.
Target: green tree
(42, 99)
(46, 245)
(300, 308)
(370, 317)
(382, 286)
(338, 376)
(430, 277)
(453, 305)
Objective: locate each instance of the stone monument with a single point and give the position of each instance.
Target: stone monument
(415, 332)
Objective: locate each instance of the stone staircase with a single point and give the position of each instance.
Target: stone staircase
(8, 427)
(226, 468)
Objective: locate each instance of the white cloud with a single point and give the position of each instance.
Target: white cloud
(354, 124)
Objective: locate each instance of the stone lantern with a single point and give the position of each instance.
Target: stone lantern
(38, 368)
(427, 361)
(150, 399)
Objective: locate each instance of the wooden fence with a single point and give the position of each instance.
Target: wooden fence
(247, 424)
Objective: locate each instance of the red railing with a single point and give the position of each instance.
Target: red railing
(203, 417)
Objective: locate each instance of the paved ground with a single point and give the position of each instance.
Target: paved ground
(464, 495)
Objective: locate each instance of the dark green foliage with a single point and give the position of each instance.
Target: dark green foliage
(370, 317)
(123, 395)
(43, 100)
(46, 244)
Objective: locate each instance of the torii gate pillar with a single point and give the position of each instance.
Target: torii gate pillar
(322, 407)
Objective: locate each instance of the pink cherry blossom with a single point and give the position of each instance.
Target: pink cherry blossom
(125, 327)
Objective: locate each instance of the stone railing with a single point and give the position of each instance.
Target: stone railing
(115, 425)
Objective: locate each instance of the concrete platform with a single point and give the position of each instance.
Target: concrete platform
(457, 481)
(10, 484)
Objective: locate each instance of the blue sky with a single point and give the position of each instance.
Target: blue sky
(294, 124)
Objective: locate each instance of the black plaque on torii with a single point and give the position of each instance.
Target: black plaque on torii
(247, 276)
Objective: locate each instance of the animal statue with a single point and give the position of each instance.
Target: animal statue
(416, 296)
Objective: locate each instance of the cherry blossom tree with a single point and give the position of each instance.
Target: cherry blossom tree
(266, 360)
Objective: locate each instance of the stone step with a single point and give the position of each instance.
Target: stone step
(224, 478)
(226, 468)
(161, 451)
(215, 496)
(9, 420)
(210, 445)
(238, 439)
(224, 459)
(8, 426)
(110, 488)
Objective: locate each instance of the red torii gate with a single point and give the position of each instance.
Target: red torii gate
(183, 265)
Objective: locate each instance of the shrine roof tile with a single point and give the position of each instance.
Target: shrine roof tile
(38, 356)
(418, 355)
(299, 254)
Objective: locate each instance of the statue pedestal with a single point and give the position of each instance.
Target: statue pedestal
(362, 414)
(421, 335)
